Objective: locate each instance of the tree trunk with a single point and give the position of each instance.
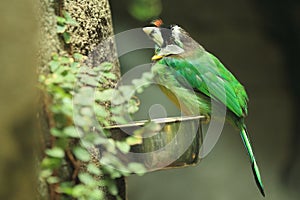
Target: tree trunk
(17, 102)
(95, 26)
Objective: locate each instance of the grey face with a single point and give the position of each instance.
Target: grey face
(155, 34)
(165, 39)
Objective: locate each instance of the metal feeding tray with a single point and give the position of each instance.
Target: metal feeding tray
(176, 143)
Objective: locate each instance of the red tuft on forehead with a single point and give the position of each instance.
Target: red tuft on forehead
(157, 22)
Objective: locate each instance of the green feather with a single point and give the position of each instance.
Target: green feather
(192, 70)
(172, 87)
(200, 71)
(177, 74)
(254, 166)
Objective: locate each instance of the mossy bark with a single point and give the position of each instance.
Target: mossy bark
(92, 37)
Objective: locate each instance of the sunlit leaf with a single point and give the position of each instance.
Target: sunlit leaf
(61, 28)
(137, 168)
(123, 146)
(60, 20)
(79, 190)
(127, 91)
(89, 80)
(55, 152)
(93, 169)
(56, 132)
(69, 19)
(71, 131)
(86, 179)
(54, 65)
(45, 173)
(100, 111)
(51, 163)
(134, 140)
(67, 37)
(81, 154)
(105, 66)
(105, 95)
(53, 179)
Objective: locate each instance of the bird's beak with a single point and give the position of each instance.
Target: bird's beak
(156, 57)
(154, 34)
(148, 30)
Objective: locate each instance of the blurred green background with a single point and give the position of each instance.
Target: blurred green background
(259, 41)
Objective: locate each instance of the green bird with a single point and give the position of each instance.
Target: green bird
(192, 78)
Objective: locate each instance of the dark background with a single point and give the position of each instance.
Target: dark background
(259, 41)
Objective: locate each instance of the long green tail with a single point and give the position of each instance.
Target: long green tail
(252, 159)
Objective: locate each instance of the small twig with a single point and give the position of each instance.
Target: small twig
(76, 164)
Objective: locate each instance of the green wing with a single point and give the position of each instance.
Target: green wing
(236, 85)
(172, 87)
(206, 74)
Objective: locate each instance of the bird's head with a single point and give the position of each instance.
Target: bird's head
(169, 40)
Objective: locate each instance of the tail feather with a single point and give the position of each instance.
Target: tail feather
(255, 169)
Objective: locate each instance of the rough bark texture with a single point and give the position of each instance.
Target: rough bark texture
(90, 38)
(17, 116)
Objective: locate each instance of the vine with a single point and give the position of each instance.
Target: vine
(71, 165)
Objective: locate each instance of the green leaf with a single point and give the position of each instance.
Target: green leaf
(78, 57)
(99, 141)
(105, 66)
(54, 65)
(112, 172)
(71, 131)
(60, 20)
(132, 106)
(83, 122)
(53, 179)
(67, 37)
(109, 75)
(55, 56)
(137, 168)
(79, 190)
(51, 163)
(84, 97)
(118, 119)
(111, 148)
(81, 154)
(56, 132)
(89, 80)
(105, 95)
(127, 91)
(123, 146)
(60, 28)
(55, 152)
(65, 60)
(96, 194)
(112, 188)
(140, 84)
(147, 76)
(100, 111)
(133, 140)
(93, 169)
(148, 130)
(86, 111)
(117, 109)
(45, 173)
(66, 188)
(87, 179)
(119, 198)
(69, 19)
(75, 66)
